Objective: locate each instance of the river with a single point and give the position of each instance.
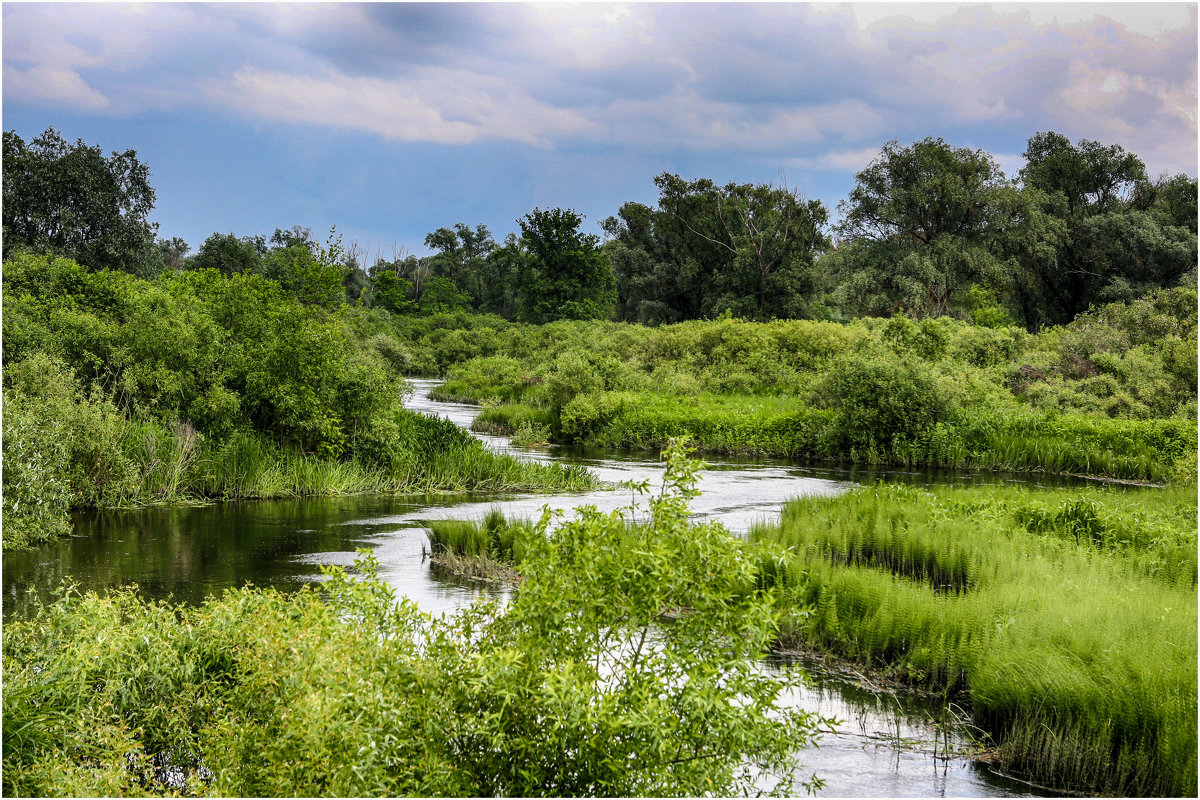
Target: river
(886, 745)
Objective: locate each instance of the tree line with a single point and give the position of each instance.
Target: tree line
(928, 230)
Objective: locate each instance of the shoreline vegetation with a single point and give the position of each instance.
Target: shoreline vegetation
(120, 391)
(1098, 397)
(1062, 621)
(342, 690)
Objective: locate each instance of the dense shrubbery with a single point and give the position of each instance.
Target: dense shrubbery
(575, 689)
(1113, 393)
(1067, 619)
(119, 391)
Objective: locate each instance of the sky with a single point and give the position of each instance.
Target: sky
(391, 120)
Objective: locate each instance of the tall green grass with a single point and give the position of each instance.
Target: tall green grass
(506, 419)
(1008, 440)
(1068, 619)
(494, 536)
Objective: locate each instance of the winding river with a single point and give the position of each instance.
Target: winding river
(885, 745)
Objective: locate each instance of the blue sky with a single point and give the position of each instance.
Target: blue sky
(391, 120)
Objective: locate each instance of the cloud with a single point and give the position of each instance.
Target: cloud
(47, 85)
(837, 161)
(768, 79)
(438, 105)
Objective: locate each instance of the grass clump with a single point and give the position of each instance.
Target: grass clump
(507, 419)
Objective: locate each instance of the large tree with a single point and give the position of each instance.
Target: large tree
(928, 225)
(1125, 234)
(229, 255)
(70, 200)
(653, 285)
(760, 241)
(460, 255)
(565, 273)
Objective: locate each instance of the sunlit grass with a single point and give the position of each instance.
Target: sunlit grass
(1068, 619)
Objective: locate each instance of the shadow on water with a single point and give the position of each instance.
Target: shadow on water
(885, 746)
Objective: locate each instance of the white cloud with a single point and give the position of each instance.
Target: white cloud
(439, 105)
(838, 160)
(775, 78)
(50, 85)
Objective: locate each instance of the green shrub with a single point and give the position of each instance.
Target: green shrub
(878, 402)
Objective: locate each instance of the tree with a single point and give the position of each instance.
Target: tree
(500, 271)
(1171, 201)
(72, 201)
(441, 296)
(461, 256)
(296, 235)
(173, 251)
(652, 285)
(391, 292)
(1090, 178)
(917, 225)
(228, 254)
(565, 274)
(1125, 235)
(768, 236)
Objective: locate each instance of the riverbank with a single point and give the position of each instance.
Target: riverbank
(1062, 621)
(339, 689)
(120, 392)
(1068, 619)
(1113, 394)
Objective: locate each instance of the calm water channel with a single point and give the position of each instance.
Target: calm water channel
(885, 745)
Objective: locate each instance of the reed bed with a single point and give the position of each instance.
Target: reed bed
(1068, 619)
(171, 466)
(1003, 440)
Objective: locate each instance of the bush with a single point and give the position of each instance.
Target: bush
(880, 401)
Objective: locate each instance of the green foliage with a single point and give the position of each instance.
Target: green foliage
(441, 296)
(228, 254)
(565, 274)
(123, 391)
(507, 419)
(1120, 243)
(627, 665)
(1110, 394)
(929, 223)
(765, 238)
(72, 201)
(879, 402)
(391, 292)
(1067, 618)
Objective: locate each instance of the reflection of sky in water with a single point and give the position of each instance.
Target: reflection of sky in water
(187, 553)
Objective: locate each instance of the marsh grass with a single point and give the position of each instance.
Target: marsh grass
(1007, 440)
(1068, 619)
(506, 419)
(495, 537)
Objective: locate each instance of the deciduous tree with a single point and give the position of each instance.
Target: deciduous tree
(70, 200)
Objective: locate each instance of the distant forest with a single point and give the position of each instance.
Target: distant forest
(928, 230)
